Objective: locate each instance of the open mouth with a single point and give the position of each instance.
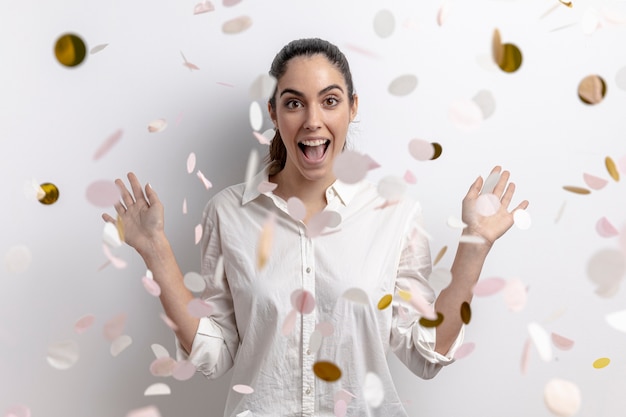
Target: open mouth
(314, 150)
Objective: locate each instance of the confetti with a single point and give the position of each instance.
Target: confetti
(320, 221)
(266, 187)
(541, 340)
(168, 322)
(159, 351)
(561, 342)
(590, 21)
(620, 78)
(489, 286)
(384, 23)
(356, 295)
(296, 208)
(605, 228)
(157, 389)
(256, 116)
(266, 137)
(464, 350)
(109, 143)
(521, 219)
(617, 320)
(115, 261)
(243, 389)
(84, 323)
(151, 286)
(183, 371)
(17, 411)
(440, 255)
(350, 167)
(198, 230)
(230, 3)
(194, 282)
(120, 344)
(403, 85)
(162, 367)
(114, 328)
(612, 168)
(303, 301)
(385, 301)
(207, 184)
(438, 150)
(515, 295)
(98, 48)
(601, 363)
(63, 355)
(325, 328)
(466, 312)
(490, 183)
(252, 165)
(486, 102)
(315, 341)
(150, 411)
(18, 259)
(341, 408)
(421, 149)
(326, 371)
(203, 7)
(455, 223)
(184, 206)
(50, 193)
(103, 193)
(487, 204)
(199, 308)
(70, 50)
(576, 190)
(606, 269)
(593, 182)
(426, 322)
(465, 114)
(507, 56)
(409, 177)
(266, 239)
(191, 162)
(440, 278)
(591, 89)
(236, 25)
(111, 235)
(188, 64)
(391, 188)
(443, 13)
(262, 87)
(525, 359)
(157, 125)
(471, 239)
(566, 3)
(289, 323)
(562, 397)
(373, 390)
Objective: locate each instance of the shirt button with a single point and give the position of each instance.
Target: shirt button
(308, 269)
(308, 351)
(308, 391)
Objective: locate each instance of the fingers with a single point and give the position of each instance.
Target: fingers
(499, 189)
(108, 218)
(136, 187)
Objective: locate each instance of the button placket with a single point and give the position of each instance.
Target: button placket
(308, 326)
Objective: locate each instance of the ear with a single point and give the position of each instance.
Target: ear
(354, 107)
(272, 113)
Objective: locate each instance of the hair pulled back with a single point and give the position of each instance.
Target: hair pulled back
(277, 155)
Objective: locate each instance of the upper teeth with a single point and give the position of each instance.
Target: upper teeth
(316, 142)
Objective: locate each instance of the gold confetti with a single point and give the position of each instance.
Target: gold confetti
(601, 363)
(592, 89)
(507, 56)
(612, 168)
(265, 242)
(466, 312)
(50, 193)
(120, 227)
(70, 50)
(326, 371)
(442, 252)
(385, 301)
(432, 323)
(566, 3)
(497, 47)
(438, 151)
(404, 294)
(576, 190)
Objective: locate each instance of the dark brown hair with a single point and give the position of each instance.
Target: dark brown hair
(277, 155)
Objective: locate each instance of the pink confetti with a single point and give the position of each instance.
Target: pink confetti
(266, 187)
(409, 177)
(371, 163)
(84, 323)
(169, 322)
(162, 366)
(320, 221)
(183, 370)
(230, 3)
(114, 328)
(296, 208)
(464, 350)
(489, 286)
(157, 125)
(198, 233)
(350, 167)
(356, 295)
(190, 65)
(362, 51)
(243, 389)
(18, 411)
(115, 261)
(621, 164)
(325, 328)
(391, 188)
(184, 206)
(442, 14)
(199, 308)
(203, 7)
(525, 356)
(425, 308)
(109, 143)
(487, 204)
(561, 342)
(236, 25)
(341, 408)
(207, 183)
(593, 182)
(421, 150)
(605, 228)
(191, 162)
(515, 295)
(120, 344)
(289, 323)
(151, 286)
(466, 115)
(103, 193)
(150, 411)
(303, 301)
(263, 140)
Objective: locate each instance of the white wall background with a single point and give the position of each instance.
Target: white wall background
(53, 119)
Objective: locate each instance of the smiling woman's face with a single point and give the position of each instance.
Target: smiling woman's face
(313, 111)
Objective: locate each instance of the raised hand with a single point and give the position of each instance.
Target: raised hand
(492, 227)
(141, 214)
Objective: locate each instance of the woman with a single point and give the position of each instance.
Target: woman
(329, 282)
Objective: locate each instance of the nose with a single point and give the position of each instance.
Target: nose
(313, 118)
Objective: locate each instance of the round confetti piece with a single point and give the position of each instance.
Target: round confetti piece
(576, 190)
(384, 23)
(266, 187)
(356, 295)
(409, 177)
(612, 168)
(194, 282)
(162, 366)
(562, 397)
(203, 7)
(326, 371)
(199, 308)
(464, 350)
(515, 295)
(151, 286)
(466, 312)
(289, 323)
(373, 390)
(18, 259)
(191, 162)
(487, 204)
(403, 85)
(150, 411)
(325, 328)
(601, 363)
(236, 25)
(320, 221)
(50, 193)
(455, 223)
(243, 389)
(391, 188)
(84, 323)
(385, 301)
(593, 182)
(592, 89)
(296, 208)
(303, 301)
(183, 370)
(605, 228)
(157, 389)
(489, 286)
(490, 183)
(486, 102)
(159, 351)
(157, 125)
(262, 87)
(421, 149)
(521, 219)
(606, 269)
(440, 278)
(426, 322)
(438, 150)
(256, 116)
(120, 344)
(315, 341)
(63, 355)
(168, 322)
(561, 342)
(114, 328)
(541, 340)
(70, 50)
(465, 114)
(17, 411)
(511, 58)
(111, 235)
(350, 167)
(103, 193)
(617, 320)
(115, 261)
(341, 408)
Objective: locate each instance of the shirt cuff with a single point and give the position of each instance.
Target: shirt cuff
(205, 348)
(425, 338)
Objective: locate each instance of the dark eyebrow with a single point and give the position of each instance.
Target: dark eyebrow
(322, 92)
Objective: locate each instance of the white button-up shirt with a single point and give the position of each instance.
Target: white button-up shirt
(374, 250)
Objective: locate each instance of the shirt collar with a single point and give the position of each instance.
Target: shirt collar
(344, 191)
